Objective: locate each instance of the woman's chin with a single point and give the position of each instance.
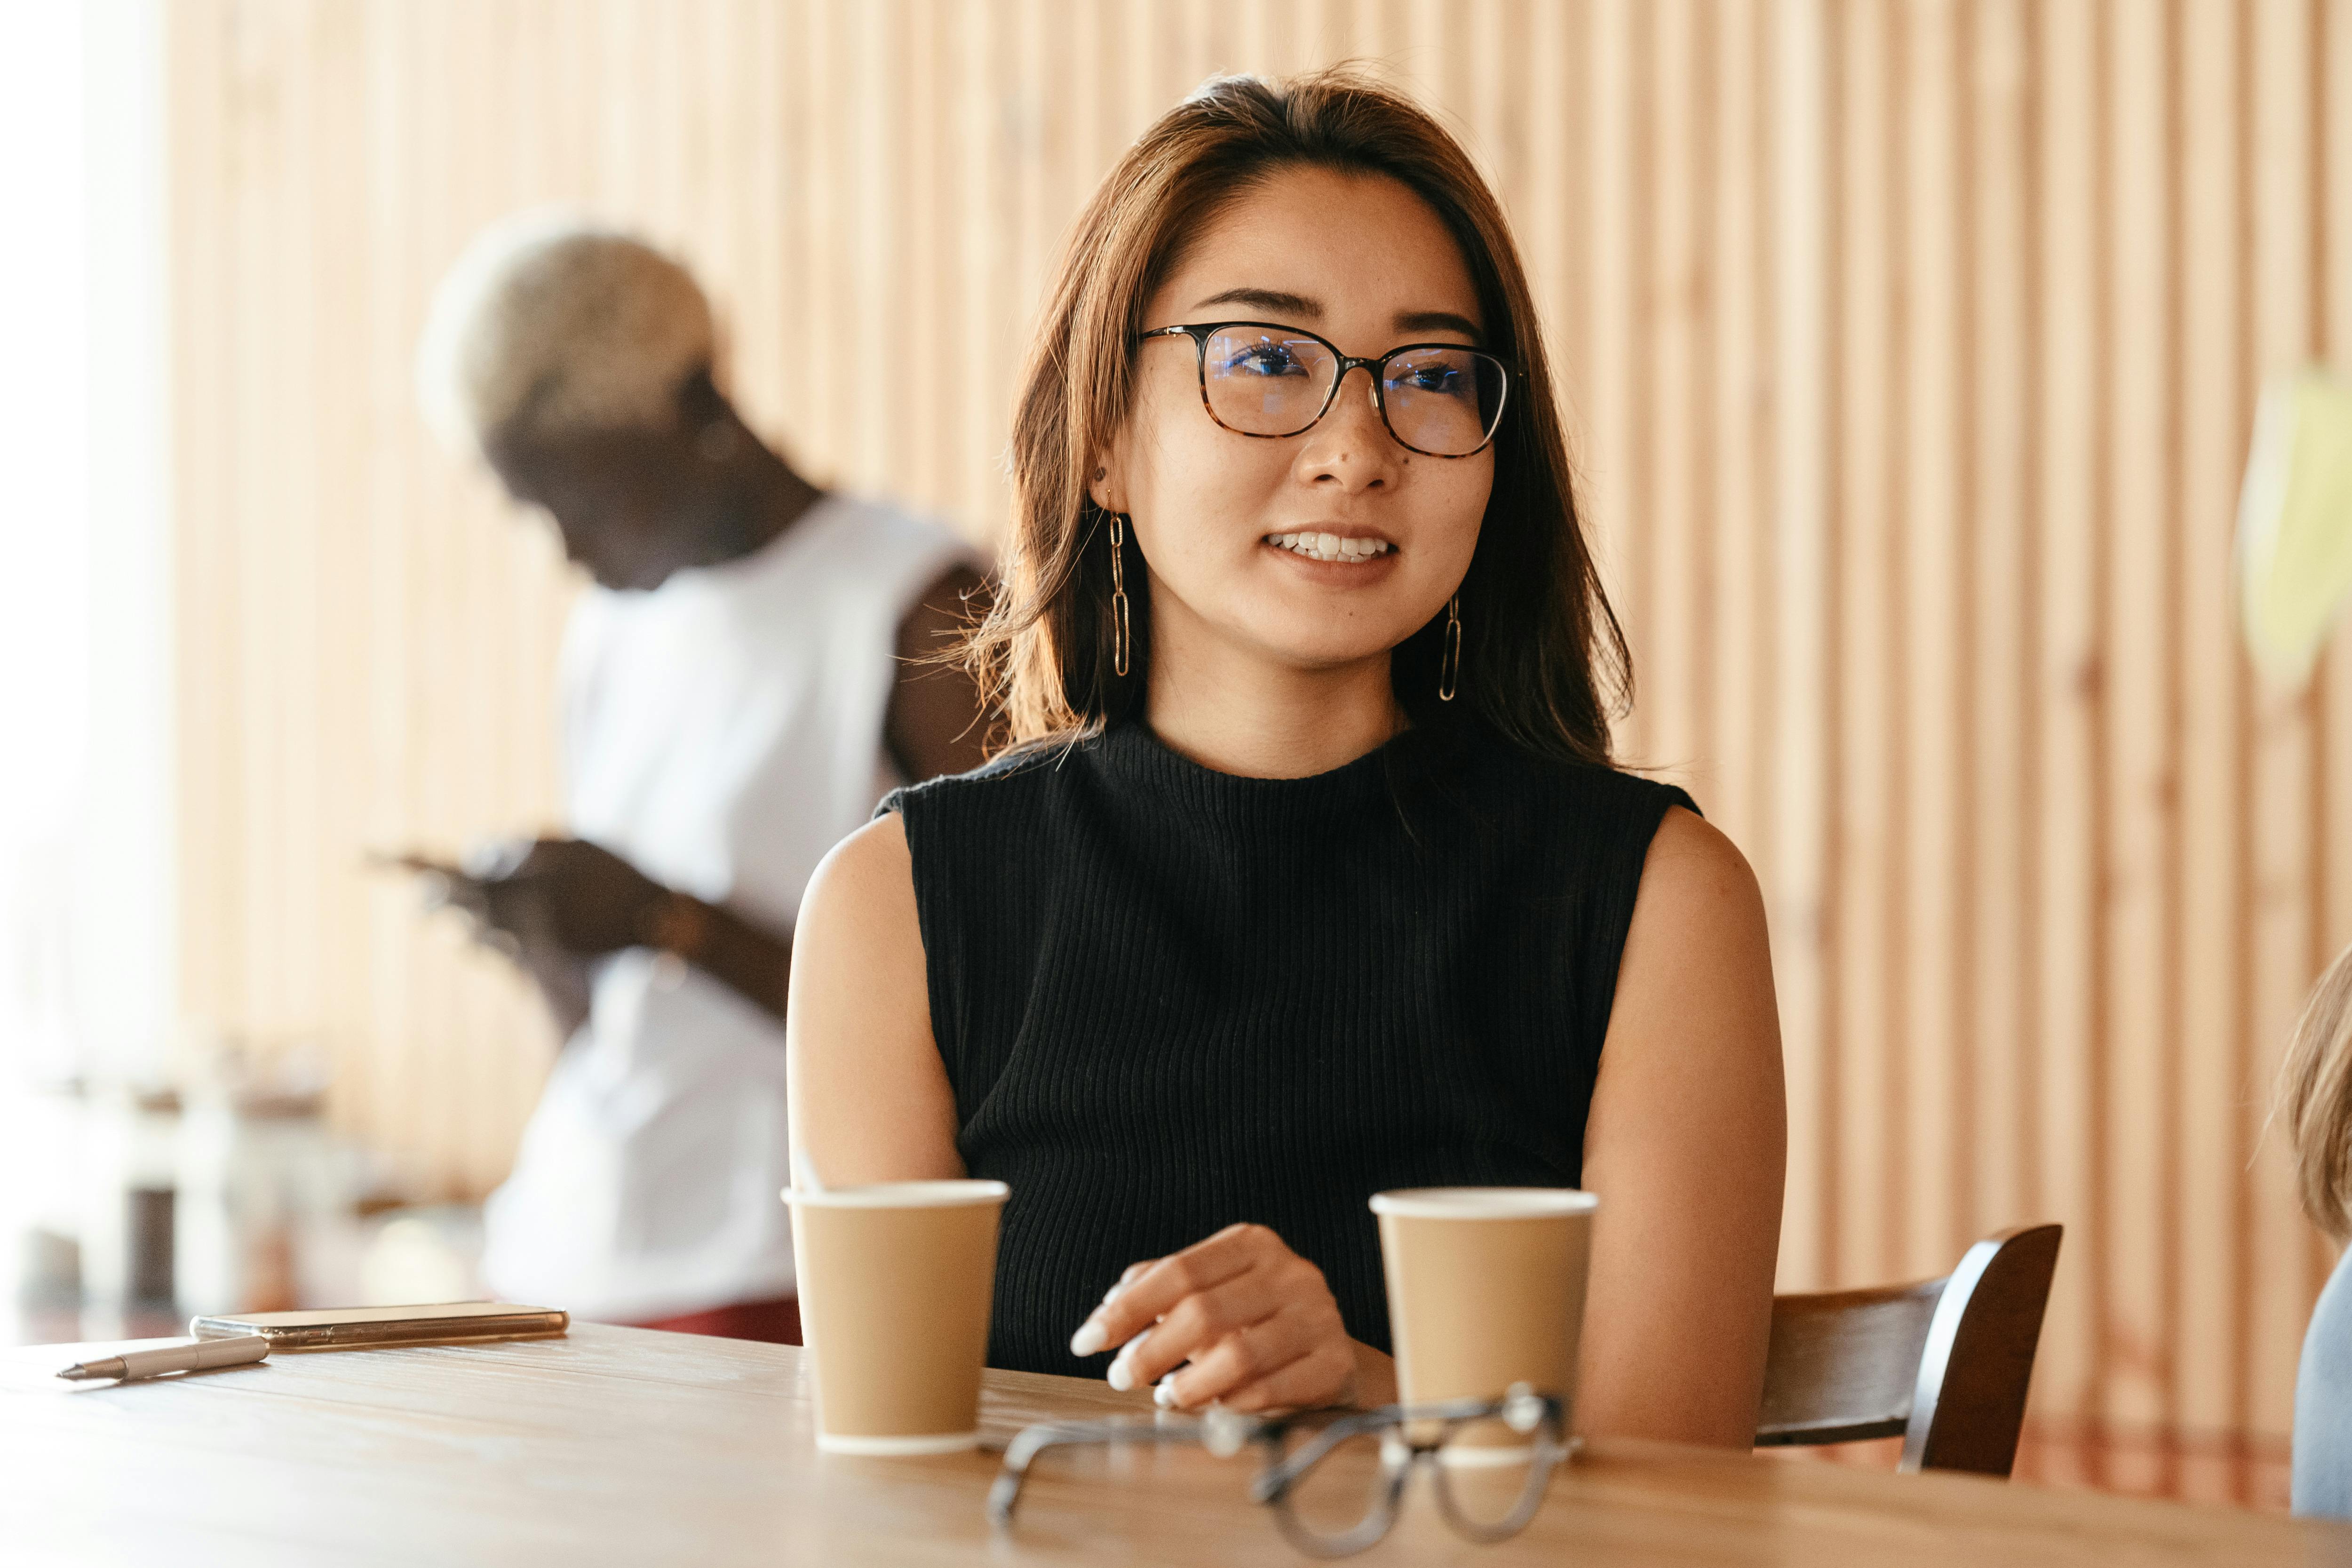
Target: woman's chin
(1294, 626)
(1347, 650)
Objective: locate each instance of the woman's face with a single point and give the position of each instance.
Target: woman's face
(1240, 533)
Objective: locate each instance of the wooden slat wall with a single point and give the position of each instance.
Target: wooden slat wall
(1912, 349)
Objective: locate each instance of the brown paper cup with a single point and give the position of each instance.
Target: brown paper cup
(1486, 1290)
(895, 1285)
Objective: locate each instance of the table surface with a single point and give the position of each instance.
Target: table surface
(626, 1446)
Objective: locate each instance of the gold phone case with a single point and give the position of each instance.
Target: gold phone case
(356, 1328)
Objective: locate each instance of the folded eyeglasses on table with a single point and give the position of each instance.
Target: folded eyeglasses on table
(1335, 1478)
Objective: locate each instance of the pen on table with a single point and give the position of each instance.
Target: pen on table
(191, 1357)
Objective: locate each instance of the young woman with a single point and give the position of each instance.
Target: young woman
(1306, 876)
(2315, 1103)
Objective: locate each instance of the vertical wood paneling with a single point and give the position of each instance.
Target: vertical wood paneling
(2063, 293)
(1607, 255)
(1872, 647)
(1677, 464)
(1739, 666)
(2130, 569)
(1910, 350)
(1797, 396)
(2212, 412)
(1932, 597)
(1998, 1029)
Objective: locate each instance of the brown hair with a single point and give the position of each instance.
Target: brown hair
(2314, 1100)
(1543, 659)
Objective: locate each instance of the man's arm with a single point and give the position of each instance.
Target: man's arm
(566, 901)
(563, 983)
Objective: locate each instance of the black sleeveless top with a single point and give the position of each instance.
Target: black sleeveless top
(1169, 999)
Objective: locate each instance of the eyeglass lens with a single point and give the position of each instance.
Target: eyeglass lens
(1490, 1475)
(1263, 381)
(1490, 1478)
(1344, 1501)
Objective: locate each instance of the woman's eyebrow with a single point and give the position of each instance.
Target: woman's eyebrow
(1266, 300)
(1290, 304)
(1437, 322)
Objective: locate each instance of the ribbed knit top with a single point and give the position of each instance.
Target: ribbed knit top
(1169, 999)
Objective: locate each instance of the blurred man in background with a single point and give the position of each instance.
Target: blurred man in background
(740, 688)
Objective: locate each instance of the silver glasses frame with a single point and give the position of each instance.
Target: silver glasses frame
(1410, 1435)
(1202, 332)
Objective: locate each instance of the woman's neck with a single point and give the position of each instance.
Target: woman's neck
(1239, 713)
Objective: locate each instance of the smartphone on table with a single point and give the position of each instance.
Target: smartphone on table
(357, 1327)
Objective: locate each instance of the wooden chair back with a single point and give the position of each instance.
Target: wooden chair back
(1943, 1362)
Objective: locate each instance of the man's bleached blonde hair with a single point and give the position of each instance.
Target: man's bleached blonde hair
(550, 324)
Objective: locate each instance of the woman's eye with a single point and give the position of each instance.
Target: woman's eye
(1265, 359)
(1431, 378)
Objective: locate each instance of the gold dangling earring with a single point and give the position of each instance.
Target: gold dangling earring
(1118, 633)
(1449, 662)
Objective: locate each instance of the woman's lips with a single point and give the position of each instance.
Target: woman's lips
(1340, 547)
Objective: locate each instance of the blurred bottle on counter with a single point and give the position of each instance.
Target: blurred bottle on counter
(266, 1193)
(131, 1191)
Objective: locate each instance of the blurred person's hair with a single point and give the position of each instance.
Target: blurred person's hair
(550, 324)
(2315, 1101)
(1543, 659)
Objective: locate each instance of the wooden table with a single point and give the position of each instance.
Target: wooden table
(625, 1445)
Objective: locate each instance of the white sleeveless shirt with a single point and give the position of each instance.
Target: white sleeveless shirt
(722, 734)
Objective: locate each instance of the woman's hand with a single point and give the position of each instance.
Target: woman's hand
(1255, 1320)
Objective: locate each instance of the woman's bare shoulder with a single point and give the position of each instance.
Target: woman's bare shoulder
(1695, 875)
(858, 948)
(869, 1098)
(1696, 967)
(871, 865)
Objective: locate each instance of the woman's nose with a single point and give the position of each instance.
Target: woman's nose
(1351, 445)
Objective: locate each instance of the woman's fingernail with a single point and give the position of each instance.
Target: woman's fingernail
(1112, 1294)
(1122, 1371)
(1163, 1395)
(1090, 1337)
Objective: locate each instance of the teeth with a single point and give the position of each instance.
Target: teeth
(1329, 546)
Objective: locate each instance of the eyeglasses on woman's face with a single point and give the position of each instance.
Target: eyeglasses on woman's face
(1335, 1479)
(1260, 379)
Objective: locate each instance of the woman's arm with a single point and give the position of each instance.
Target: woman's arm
(1685, 1145)
(870, 1100)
